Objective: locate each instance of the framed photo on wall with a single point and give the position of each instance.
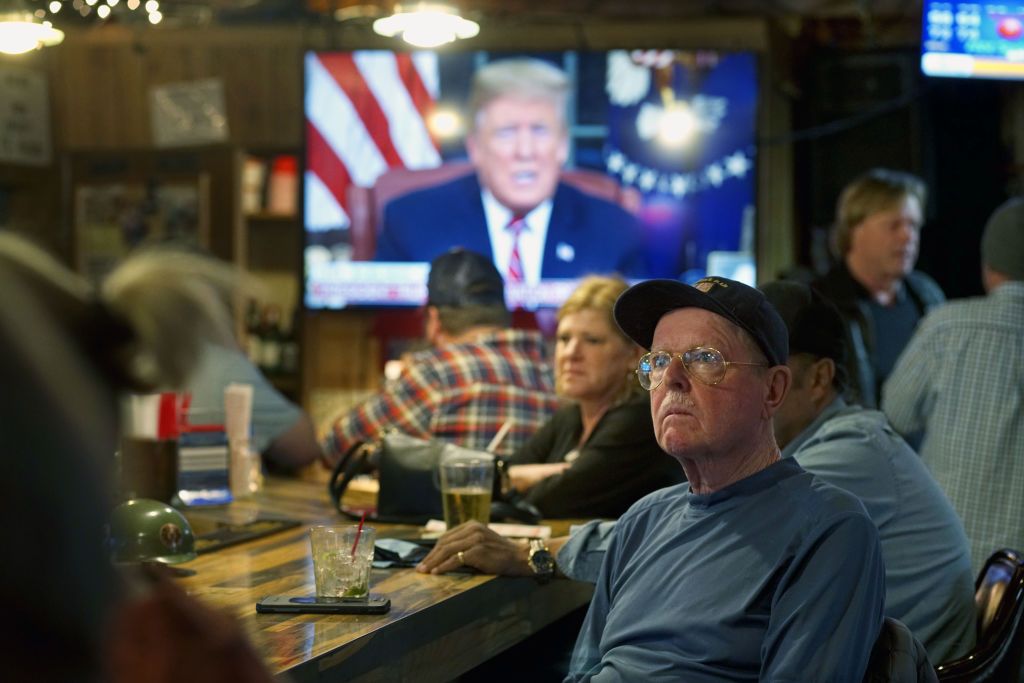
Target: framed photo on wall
(112, 218)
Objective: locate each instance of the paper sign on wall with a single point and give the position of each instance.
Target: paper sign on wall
(190, 113)
(24, 117)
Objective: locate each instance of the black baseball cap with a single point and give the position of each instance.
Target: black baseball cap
(1002, 242)
(460, 277)
(639, 308)
(814, 323)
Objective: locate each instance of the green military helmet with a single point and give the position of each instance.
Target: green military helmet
(143, 530)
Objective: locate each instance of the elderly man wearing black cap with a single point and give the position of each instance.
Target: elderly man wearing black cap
(961, 381)
(756, 569)
(478, 375)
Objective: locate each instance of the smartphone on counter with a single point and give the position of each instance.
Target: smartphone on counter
(308, 604)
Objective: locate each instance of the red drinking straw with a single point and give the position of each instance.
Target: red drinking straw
(359, 532)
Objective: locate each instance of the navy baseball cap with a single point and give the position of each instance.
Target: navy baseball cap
(814, 323)
(464, 278)
(639, 308)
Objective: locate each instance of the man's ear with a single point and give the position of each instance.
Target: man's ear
(432, 327)
(778, 380)
(990, 279)
(823, 371)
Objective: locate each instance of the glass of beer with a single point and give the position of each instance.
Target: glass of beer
(467, 479)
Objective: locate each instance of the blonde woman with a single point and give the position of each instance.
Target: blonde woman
(597, 455)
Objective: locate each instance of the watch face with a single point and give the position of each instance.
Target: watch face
(541, 561)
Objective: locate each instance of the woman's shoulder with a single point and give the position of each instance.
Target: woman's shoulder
(635, 411)
(628, 426)
(568, 411)
(636, 403)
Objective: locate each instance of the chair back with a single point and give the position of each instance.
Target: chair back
(999, 596)
(898, 657)
(366, 204)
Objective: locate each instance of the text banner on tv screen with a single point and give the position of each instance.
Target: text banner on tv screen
(646, 168)
(973, 40)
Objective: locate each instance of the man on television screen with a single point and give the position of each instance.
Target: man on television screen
(515, 208)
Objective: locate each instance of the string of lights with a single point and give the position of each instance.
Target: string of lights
(58, 11)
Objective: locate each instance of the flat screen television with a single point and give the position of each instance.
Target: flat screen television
(669, 136)
(973, 39)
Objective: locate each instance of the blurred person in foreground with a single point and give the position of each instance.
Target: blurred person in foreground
(874, 285)
(68, 351)
(478, 374)
(960, 381)
(597, 455)
(928, 575)
(514, 209)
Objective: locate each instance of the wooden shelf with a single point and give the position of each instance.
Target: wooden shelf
(270, 217)
(275, 245)
(270, 246)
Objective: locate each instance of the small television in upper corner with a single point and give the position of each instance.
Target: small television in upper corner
(652, 174)
(973, 39)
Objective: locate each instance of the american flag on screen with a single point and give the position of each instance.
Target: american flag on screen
(366, 112)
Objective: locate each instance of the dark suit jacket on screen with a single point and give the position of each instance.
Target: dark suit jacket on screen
(585, 234)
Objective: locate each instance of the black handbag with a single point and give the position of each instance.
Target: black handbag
(409, 492)
(409, 487)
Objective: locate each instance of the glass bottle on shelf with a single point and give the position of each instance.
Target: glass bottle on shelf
(253, 333)
(271, 339)
(254, 180)
(290, 346)
(283, 186)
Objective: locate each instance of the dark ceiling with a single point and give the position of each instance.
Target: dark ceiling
(248, 12)
(639, 9)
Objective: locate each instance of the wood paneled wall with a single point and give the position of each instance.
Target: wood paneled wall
(102, 77)
(102, 80)
(339, 350)
(776, 225)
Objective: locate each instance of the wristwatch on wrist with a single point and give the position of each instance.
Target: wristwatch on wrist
(540, 560)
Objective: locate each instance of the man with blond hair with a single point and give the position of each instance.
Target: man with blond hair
(874, 284)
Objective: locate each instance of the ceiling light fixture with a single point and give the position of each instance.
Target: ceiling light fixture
(426, 25)
(21, 31)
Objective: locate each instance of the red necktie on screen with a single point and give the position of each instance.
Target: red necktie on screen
(515, 264)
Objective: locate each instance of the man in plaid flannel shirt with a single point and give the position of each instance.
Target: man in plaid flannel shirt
(478, 375)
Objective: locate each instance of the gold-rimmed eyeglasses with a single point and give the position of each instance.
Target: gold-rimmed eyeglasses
(705, 364)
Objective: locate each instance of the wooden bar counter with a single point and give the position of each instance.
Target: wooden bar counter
(438, 628)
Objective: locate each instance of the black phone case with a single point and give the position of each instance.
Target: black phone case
(289, 604)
